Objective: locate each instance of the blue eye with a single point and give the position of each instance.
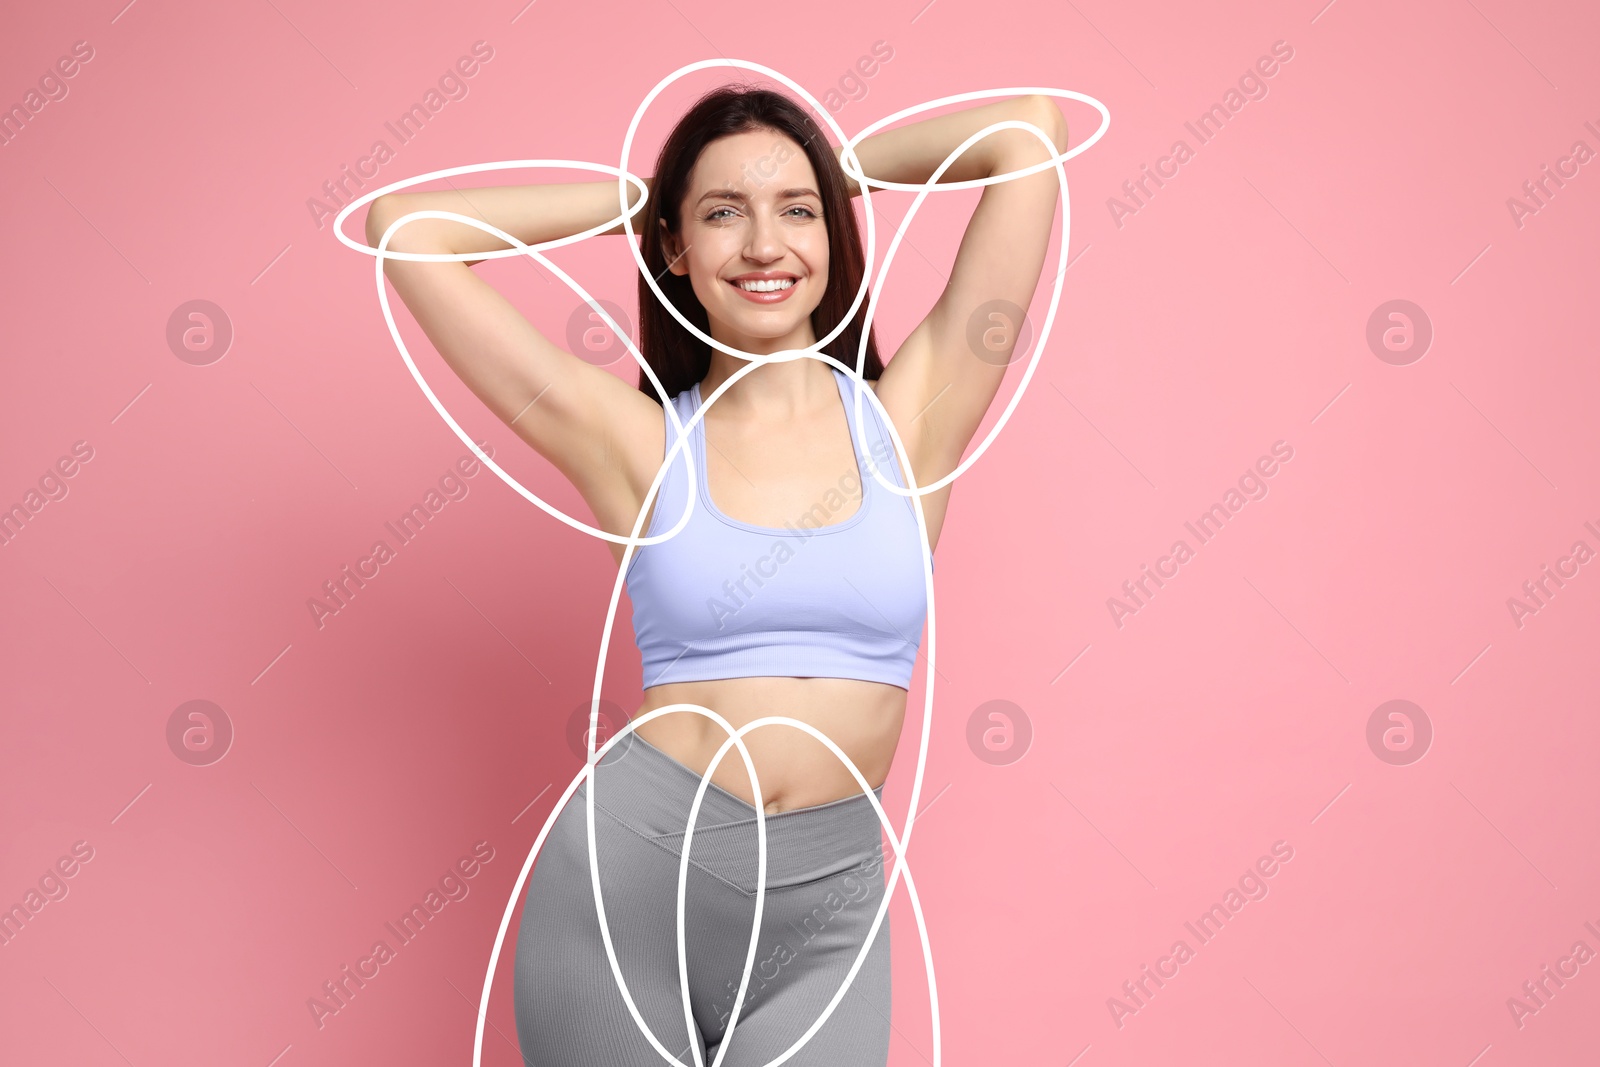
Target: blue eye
(714, 215)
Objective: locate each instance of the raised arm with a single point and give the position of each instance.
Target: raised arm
(602, 433)
(935, 387)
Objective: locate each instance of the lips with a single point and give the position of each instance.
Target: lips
(769, 296)
(764, 276)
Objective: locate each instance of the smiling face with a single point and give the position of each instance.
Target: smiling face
(753, 242)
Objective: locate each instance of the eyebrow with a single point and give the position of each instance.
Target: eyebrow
(734, 194)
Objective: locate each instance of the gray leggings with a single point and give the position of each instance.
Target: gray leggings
(825, 883)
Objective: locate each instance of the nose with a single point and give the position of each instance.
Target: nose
(766, 240)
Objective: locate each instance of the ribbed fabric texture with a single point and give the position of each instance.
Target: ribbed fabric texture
(817, 598)
(825, 884)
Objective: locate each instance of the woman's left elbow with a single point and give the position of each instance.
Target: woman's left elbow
(1051, 119)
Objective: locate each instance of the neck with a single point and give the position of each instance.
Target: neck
(774, 390)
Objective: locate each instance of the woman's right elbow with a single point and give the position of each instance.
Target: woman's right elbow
(381, 214)
(377, 219)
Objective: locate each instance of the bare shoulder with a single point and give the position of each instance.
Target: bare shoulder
(902, 422)
(900, 395)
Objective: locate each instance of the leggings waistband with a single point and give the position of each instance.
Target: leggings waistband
(651, 793)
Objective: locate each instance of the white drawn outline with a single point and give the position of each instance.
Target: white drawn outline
(850, 164)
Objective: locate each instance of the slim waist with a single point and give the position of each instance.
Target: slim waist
(651, 793)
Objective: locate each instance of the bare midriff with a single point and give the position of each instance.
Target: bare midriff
(795, 769)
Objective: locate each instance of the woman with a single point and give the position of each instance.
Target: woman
(795, 587)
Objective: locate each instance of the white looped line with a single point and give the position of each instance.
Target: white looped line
(850, 164)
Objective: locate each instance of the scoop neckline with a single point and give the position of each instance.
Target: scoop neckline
(781, 531)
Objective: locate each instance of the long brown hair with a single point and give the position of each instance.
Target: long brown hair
(680, 359)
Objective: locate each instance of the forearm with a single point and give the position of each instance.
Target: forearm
(909, 154)
(531, 213)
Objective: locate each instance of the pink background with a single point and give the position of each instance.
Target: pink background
(1227, 313)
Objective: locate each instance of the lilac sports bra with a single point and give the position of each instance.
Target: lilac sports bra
(815, 598)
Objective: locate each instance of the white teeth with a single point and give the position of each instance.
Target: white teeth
(760, 286)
